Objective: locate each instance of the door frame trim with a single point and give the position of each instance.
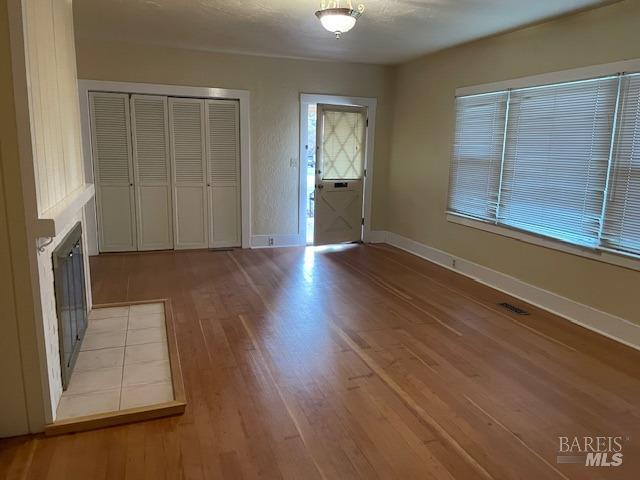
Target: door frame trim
(243, 96)
(370, 103)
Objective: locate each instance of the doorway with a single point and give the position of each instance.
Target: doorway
(310, 163)
(335, 203)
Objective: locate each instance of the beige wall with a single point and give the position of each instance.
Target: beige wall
(423, 133)
(13, 419)
(275, 85)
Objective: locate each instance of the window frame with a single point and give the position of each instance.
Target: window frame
(600, 253)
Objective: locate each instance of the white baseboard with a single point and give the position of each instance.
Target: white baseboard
(272, 241)
(376, 236)
(296, 240)
(606, 324)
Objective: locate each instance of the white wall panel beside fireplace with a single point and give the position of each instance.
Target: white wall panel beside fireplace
(53, 107)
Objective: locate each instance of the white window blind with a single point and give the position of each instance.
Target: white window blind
(555, 165)
(477, 155)
(622, 215)
(561, 161)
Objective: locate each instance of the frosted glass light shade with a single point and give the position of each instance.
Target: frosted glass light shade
(338, 20)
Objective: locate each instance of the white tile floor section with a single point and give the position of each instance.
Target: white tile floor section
(123, 362)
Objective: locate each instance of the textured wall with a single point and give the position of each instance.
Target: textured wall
(389, 32)
(275, 85)
(423, 132)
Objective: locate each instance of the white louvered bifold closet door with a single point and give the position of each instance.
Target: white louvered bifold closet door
(113, 172)
(188, 162)
(152, 170)
(223, 164)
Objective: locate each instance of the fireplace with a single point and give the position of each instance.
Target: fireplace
(71, 303)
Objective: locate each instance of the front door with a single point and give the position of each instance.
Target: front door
(340, 146)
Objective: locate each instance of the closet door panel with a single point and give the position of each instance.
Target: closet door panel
(152, 171)
(191, 226)
(190, 207)
(113, 171)
(223, 164)
(225, 228)
(116, 219)
(155, 225)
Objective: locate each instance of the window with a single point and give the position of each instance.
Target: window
(622, 214)
(561, 161)
(555, 164)
(477, 154)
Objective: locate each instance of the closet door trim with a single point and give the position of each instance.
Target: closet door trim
(242, 96)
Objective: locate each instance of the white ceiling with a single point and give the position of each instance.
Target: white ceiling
(390, 31)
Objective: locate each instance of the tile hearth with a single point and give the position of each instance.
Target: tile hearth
(123, 363)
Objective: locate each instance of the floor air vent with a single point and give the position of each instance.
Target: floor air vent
(513, 308)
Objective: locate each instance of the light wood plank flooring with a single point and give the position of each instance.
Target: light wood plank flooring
(356, 362)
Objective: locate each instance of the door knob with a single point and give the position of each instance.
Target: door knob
(320, 187)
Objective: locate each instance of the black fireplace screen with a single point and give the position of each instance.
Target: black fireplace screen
(71, 303)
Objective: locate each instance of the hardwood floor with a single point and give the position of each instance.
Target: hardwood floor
(352, 362)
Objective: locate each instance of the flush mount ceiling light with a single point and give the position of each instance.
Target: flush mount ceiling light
(337, 19)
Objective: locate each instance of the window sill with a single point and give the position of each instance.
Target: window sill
(621, 260)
